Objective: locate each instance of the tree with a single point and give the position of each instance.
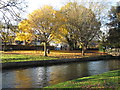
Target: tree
(114, 27)
(11, 9)
(83, 21)
(45, 22)
(65, 35)
(7, 33)
(25, 33)
(24, 37)
(118, 12)
(25, 26)
(10, 14)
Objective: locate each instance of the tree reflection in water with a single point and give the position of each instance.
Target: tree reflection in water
(38, 77)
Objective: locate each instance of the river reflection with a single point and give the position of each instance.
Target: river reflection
(38, 77)
(67, 72)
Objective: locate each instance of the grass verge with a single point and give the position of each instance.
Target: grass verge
(20, 57)
(32, 55)
(62, 54)
(106, 80)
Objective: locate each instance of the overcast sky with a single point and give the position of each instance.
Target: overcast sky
(57, 4)
(35, 4)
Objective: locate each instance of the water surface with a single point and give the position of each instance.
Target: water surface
(38, 77)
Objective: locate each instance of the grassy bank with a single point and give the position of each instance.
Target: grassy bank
(32, 55)
(20, 57)
(106, 80)
(58, 54)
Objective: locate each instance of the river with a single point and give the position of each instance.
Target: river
(38, 77)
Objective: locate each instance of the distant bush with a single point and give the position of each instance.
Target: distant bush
(113, 51)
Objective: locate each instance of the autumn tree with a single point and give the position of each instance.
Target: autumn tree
(24, 37)
(83, 21)
(25, 33)
(67, 36)
(10, 14)
(11, 9)
(7, 33)
(45, 22)
(114, 27)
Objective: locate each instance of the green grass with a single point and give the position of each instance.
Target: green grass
(105, 80)
(19, 58)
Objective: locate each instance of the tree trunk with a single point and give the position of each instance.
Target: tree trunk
(75, 45)
(83, 52)
(84, 48)
(25, 42)
(70, 46)
(45, 49)
(4, 46)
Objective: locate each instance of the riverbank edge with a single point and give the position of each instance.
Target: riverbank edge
(10, 65)
(103, 81)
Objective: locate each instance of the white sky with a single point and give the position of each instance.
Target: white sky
(35, 4)
(57, 4)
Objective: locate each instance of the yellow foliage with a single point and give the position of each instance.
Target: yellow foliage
(61, 34)
(46, 22)
(68, 5)
(42, 19)
(24, 37)
(47, 12)
(63, 30)
(24, 26)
